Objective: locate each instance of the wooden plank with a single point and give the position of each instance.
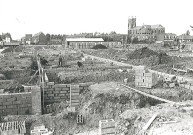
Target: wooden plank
(150, 121)
(148, 95)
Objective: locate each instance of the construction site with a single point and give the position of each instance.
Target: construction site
(53, 90)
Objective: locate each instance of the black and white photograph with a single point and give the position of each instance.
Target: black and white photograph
(96, 67)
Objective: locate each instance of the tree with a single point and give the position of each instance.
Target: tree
(188, 32)
(113, 32)
(47, 37)
(134, 40)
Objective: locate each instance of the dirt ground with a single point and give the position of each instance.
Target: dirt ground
(105, 100)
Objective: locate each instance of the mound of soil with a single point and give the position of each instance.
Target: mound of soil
(142, 53)
(99, 46)
(7, 50)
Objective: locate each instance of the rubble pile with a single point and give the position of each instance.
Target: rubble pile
(142, 53)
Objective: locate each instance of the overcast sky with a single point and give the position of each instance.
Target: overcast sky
(20, 17)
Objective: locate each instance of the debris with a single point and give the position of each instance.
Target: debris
(150, 121)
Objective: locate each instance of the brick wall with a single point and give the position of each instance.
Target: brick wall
(56, 93)
(15, 104)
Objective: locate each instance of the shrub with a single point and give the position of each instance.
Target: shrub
(99, 46)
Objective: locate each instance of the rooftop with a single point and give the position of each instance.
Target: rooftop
(84, 39)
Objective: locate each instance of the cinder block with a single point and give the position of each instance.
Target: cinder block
(75, 104)
(74, 87)
(60, 85)
(58, 89)
(11, 106)
(7, 103)
(56, 97)
(2, 107)
(74, 94)
(50, 89)
(75, 91)
(187, 86)
(56, 92)
(191, 87)
(66, 88)
(75, 97)
(50, 83)
(17, 102)
(75, 101)
(61, 95)
(50, 95)
(63, 91)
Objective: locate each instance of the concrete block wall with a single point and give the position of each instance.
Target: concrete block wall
(59, 92)
(107, 127)
(28, 102)
(56, 93)
(15, 104)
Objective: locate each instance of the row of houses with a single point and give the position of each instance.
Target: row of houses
(6, 41)
(39, 38)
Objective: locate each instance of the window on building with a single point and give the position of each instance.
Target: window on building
(143, 80)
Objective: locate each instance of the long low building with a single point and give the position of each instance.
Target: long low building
(87, 43)
(82, 43)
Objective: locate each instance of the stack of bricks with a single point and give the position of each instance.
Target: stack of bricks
(15, 104)
(13, 128)
(107, 127)
(74, 95)
(56, 92)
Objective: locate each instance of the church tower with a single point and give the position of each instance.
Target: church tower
(131, 22)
